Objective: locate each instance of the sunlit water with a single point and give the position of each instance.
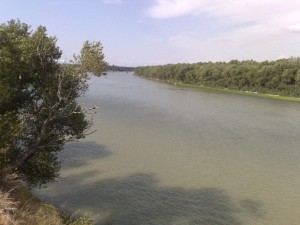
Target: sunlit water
(163, 155)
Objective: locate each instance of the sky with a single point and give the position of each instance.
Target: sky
(154, 32)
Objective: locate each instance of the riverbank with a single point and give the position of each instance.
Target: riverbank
(226, 90)
(19, 206)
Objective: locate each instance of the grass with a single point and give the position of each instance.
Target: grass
(225, 90)
(6, 206)
(19, 207)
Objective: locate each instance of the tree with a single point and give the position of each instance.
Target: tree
(39, 113)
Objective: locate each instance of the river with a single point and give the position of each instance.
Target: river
(164, 155)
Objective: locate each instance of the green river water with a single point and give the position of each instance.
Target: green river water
(164, 155)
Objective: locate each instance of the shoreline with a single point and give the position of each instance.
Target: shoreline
(19, 204)
(226, 90)
(237, 92)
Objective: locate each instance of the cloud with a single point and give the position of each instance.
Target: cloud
(295, 28)
(231, 9)
(248, 28)
(251, 42)
(173, 8)
(283, 14)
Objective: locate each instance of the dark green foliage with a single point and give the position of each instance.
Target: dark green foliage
(38, 108)
(119, 68)
(41, 168)
(280, 77)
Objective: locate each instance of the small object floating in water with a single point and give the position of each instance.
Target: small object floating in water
(94, 107)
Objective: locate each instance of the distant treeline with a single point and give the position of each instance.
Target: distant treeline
(119, 68)
(107, 68)
(280, 77)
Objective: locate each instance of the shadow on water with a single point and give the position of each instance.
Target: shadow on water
(139, 200)
(78, 154)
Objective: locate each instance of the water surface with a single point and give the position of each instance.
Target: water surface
(165, 155)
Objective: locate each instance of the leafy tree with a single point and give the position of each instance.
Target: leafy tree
(38, 108)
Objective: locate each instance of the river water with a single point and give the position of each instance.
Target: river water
(164, 155)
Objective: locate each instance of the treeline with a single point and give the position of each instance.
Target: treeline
(119, 68)
(280, 77)
(107, 67)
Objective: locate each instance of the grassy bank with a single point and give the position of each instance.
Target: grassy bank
(230, 91)
(19, 207)
(225, 90)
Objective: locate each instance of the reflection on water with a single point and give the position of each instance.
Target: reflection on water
(164, 155)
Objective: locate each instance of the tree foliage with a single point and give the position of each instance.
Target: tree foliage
(38, 108)
(280, 77)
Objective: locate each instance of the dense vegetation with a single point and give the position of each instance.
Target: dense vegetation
(38, 108)
(281, 77)
(119, 68)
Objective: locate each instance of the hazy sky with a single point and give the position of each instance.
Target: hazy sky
(147, 32)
